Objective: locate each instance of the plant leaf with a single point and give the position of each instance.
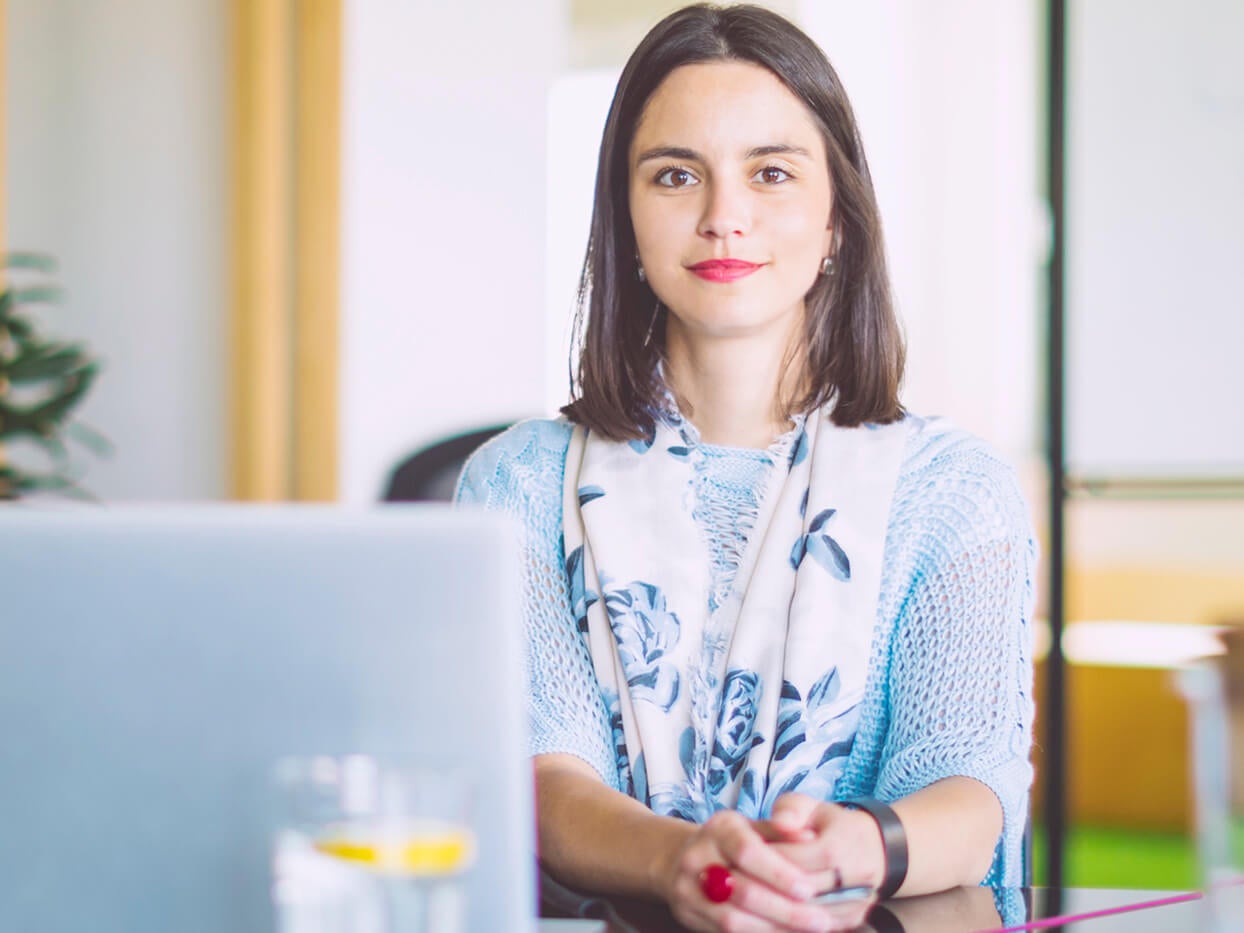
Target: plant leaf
(40, 262)
(46, 362)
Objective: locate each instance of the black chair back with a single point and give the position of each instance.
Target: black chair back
(431, 473)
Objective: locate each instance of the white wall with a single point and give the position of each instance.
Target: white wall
(946, 95)
(443, 250)
(578, 105)
(116, 165)
(1155, 287)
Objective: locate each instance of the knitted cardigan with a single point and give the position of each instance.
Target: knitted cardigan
(949, 688)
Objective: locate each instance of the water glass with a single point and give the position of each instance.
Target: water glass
(1214, 690)
(367, 848)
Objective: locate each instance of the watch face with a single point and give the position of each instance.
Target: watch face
(842, 895)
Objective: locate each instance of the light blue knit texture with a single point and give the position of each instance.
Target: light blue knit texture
(950, 677)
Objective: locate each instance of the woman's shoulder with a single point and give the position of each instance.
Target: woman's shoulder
(937, 448)
(528, 439)
(530, 453)
(958, 477)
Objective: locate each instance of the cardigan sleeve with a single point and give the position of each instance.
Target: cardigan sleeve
(960, 673)
(520, 472)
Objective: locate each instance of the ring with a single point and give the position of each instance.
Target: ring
(717, 883)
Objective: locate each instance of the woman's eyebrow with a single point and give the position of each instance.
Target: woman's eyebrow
(778, 149)
(690, 155)
(669, 152)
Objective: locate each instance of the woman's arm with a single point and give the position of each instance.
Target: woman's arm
(952, 829)
(597, 839)
(959, 675)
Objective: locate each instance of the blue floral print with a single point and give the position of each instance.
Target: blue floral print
(614, 708)
(813, 742)
(676, 799)
(749, 794)
(644, 444)
(645, 632)
(736, 729)
(589, 493)
(581, 598)
(821, 546)
(799, 450)
(673, 800)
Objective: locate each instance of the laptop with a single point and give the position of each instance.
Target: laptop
(156, 664)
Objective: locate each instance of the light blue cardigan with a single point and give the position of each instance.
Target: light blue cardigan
(950, 677)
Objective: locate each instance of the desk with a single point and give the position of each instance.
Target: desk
(967, 909)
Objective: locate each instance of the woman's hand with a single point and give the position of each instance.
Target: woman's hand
(836, 846)
(770, 892)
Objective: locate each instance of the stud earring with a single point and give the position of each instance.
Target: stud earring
(639, 270)
(827, 265)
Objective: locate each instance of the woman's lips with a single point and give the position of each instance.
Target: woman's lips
(724, 270)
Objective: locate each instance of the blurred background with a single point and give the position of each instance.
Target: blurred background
(308, 238)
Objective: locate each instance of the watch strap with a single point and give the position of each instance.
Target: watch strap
(893, 839)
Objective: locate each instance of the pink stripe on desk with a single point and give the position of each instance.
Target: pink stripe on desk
(1073, 918)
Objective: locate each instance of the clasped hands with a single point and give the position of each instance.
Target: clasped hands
(776, 868)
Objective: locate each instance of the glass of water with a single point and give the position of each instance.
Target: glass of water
(1214, 690)
(367, 848)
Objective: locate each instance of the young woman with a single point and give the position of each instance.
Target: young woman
(761, 598)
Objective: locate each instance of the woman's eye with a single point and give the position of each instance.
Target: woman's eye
(772, 175)
(675, 178)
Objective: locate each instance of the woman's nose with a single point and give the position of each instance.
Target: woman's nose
(727, 211)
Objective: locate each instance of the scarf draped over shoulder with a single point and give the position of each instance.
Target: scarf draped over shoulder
(730, 699)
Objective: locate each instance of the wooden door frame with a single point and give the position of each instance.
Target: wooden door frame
(285, 249)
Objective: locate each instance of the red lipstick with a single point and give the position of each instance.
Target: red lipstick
(724, 270)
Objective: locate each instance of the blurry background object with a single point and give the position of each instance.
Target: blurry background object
(1145, 454)
(1214, 691)
(42, 383)
(431, 474)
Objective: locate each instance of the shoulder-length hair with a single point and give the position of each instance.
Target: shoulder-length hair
(852, 342)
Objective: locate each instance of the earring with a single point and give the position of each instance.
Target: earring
(827, 265)
(639, 270)
(653, 323)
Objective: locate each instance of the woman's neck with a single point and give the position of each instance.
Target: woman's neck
(732, 389)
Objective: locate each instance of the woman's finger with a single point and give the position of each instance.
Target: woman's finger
(792, 813)
(760, 901)
(846, 850)
(744, 849)
(693, 910)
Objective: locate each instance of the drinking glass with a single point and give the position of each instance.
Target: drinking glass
(1214, 690)
(367, 848)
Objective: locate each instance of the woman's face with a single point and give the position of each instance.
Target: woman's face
(730, 200)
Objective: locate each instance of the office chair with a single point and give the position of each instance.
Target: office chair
(431, 473)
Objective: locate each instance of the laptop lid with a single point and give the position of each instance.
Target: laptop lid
(156, 663)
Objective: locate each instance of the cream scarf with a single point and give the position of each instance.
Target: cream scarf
(730, 705)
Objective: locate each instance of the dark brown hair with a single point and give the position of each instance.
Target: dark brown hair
(852, 342)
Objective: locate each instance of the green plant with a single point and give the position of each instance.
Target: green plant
(42, 382)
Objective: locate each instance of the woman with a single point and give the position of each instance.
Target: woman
(756, 588)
